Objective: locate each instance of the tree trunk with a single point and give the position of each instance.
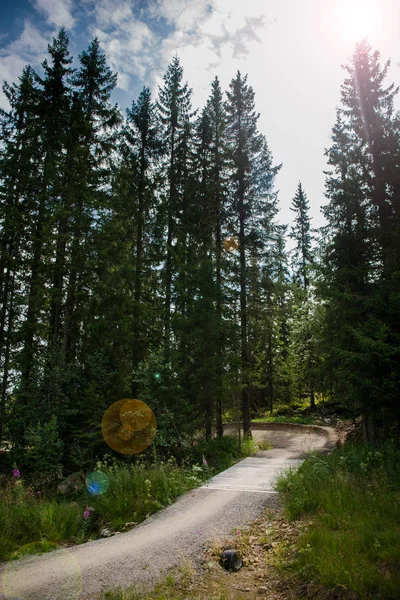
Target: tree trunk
(219, 386)
(71, 327)
(168, 264)
(312, 398)
(31, 316)
(218, 260)
(137, 342)
(58, 281)
(243, 322)
(6, 362)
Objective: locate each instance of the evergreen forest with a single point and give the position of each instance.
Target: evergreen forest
(142, 257)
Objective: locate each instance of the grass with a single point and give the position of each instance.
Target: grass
(30, 520)
(352, 501)
(259, 577)
(181, 584)
(136, 492)
(297, 419)
(297, 412)
(26, 521)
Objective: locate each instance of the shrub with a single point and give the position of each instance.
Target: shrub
(220, 453)
(353, 497)
(136, 491)
(27, 518)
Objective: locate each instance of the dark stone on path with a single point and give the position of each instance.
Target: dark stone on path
(231, 561)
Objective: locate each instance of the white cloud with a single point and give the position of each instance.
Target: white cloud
(186, 15)
(128, 42)
(210, 37)
(29, 48)
(10, 67)
(205, 33)
(108, 12)
(31, 43)
(57, 12)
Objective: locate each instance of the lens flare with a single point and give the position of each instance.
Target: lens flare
(231, 244)
(129, 426)
(358, 18)
(97, 483)
(18, 577)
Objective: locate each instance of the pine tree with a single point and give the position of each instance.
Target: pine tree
(174, 107)
(368, 115)
(144, 146)
(253, 203)
(55, 112)
(217, 190)
(19, 161)
(301, 233)
(360, 265)
(93, 140)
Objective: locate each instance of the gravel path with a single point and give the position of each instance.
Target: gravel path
(144, 554)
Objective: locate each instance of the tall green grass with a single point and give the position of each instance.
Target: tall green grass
(29, 520)
(353, 499)
(137, 491)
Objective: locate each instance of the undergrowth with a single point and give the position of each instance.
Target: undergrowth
(352, 501)
(34, 520)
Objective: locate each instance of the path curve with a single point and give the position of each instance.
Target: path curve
(143, 555)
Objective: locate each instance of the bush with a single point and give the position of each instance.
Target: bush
(137, 491)
(40, 458)
(353, 497)
(31, 520)
(284, 411)
(28, 518)
(220, 453)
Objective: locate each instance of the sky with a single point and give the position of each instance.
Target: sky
(292, 51)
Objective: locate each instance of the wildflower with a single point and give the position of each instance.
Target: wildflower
(86, 514)
(38, 493)
(16, 473)
(237, 532)
(205, 463)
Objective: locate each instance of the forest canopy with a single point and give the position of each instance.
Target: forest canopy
(142, 257)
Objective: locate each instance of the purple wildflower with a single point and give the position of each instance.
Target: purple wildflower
(86, 514)
(38, 493)
(16, 473)
(205, 463)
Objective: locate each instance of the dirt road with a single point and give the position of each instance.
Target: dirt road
(141, 556)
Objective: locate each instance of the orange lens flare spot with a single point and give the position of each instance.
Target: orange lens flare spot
(125, 432)
(231, 244)
(135, 414)
(129, 426)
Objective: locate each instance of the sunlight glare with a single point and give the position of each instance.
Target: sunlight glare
(358, 19)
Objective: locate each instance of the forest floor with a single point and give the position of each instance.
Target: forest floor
(265, 548)
(180, 533)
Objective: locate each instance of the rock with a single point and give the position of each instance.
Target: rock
(231, 561)
(105, 532)
(262, 589)
(129, 525)
(267, 546)
(72, 484)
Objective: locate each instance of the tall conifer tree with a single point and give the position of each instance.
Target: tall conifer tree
(253, 203)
